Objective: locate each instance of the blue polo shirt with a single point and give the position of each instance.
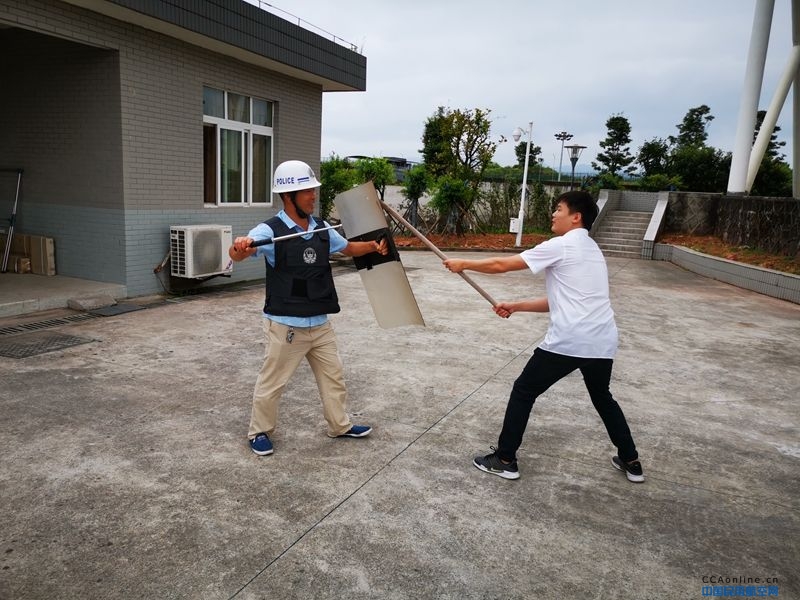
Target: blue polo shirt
(263, 231)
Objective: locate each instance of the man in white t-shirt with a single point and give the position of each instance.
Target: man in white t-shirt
(582, 332)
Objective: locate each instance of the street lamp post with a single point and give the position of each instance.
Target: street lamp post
(574, 154)
(520, 219)
(563, 136)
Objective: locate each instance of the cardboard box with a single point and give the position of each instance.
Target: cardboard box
(43, 255)
(39, 249)
(20, 244)
(19, 264)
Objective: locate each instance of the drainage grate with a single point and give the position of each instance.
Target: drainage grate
(36, 326)
(38, 342)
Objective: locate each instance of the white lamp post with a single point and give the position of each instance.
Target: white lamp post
(520, 219)
(563, 136)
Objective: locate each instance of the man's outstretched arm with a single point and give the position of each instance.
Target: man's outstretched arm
(497, 264)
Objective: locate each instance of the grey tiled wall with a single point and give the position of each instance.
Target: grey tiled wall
(764, 281)
(113, 156)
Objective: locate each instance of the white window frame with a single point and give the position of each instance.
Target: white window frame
(248, 131)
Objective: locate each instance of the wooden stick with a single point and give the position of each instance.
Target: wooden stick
(436, 251)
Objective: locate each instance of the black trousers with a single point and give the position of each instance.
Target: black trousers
(543, 370)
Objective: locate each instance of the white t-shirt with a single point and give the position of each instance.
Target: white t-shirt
(581, 319)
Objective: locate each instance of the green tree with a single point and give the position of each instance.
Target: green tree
(773, 146)
(605, 181)
(519, 150)
(457, 145)
(774, 178)
(653, 157)
(436, 137)
(337, 175)
(617, 155)
(377, 170)
(659, 183)
(415, 185)
(701, 168)
(693, 130)
(450, 197)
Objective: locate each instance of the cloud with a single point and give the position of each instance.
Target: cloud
(563, 66)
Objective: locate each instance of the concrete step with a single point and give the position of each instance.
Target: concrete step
(622, 226)
(622, 247)
(632, 214)
(621, 254)
(617, 235)
(614, 219)
(618, 223)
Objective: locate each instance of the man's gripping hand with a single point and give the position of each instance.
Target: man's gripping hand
(240, 249)
(454, 265)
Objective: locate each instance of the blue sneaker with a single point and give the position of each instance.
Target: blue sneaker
(357, 431)
(261, 444)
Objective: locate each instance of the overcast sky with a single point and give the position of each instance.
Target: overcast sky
(563, 65)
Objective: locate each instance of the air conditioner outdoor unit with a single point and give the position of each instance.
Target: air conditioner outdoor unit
(199, 251)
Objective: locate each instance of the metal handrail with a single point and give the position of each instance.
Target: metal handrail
(306, 24)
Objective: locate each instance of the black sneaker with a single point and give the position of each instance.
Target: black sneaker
(491, 463)
(633, 470)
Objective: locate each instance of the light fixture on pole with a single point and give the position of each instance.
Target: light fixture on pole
(517, 226)
(563, 136)
(574, 154)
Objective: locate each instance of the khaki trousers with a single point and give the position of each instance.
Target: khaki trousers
(318, 346)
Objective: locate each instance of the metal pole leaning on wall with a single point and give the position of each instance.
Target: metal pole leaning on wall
(12, 220)
(436, 251)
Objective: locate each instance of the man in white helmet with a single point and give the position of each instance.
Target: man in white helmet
(300, 295)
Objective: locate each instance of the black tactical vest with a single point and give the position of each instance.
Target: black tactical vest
(301, 282)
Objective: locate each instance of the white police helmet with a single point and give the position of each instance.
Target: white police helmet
(293, 175)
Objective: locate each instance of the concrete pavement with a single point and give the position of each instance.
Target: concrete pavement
(126, 472)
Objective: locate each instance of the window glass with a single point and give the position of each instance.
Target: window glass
(238, 108)
(213, 102)
(262, 163)
(231, 165)
(237, 148)
(209, 163)
(262, 112)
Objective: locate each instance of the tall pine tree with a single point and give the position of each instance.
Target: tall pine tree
(616, 158)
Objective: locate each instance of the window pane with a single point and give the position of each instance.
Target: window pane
(231, 142)
(239, 107)
(246, 163)
(262, 112)
(262, 168)
(209, 164)
(213, 102)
